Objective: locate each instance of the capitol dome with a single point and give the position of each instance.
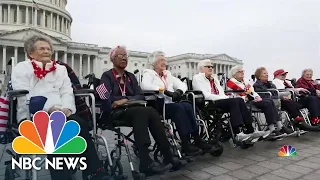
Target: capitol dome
(49, 16)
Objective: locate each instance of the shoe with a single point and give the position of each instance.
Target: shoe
(277, 134)
(299, 119)
(258, 134)
(286, 130)
(204, 145)
(156, 168)
(176, 163)
(315, 121)
(242, 137)
(307, 127)
(191, 150)
(100, 175)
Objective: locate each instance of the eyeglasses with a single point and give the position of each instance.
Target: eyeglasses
(209, 67)
(121, 56)
(240, 71)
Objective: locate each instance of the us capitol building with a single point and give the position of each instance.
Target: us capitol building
(21, 18)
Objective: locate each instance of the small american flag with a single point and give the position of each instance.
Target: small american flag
(35, 4)
(103, 91)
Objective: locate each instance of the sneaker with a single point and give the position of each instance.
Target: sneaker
(242, 137)
(286, 130)
(191, 150)
(299, 119)
(277, 134)
(258, 134)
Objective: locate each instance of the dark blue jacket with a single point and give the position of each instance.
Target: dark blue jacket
(133, 90)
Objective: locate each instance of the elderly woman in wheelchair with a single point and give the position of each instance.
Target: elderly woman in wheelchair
(286, 103)
(181, 113)
(210, 86)
(308, 83)
(123, 88)
(50, 90)
(303, 100)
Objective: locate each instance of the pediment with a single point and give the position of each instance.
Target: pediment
(23, 34)
(225, 57)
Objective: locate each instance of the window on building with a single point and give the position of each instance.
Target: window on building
(105, 62)
(170, 68)
(142, 65)
(179, 67)
(174, 67)
(135, 64)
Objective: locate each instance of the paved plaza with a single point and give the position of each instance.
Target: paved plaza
(260, 162)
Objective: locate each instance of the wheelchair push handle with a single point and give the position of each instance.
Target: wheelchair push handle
(84, 91)
(17, 93)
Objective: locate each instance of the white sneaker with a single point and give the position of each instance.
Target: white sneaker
(242, 137)
(258, 134)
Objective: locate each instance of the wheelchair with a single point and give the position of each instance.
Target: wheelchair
(151, 100)
(217, 121)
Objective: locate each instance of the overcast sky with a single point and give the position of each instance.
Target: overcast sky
(272, 33)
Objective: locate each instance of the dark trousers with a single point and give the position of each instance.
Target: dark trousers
(142, 120)
(239, 113)
(312, 103)
(92, 159)
(292, 107)
(183, 116)
(269, 109)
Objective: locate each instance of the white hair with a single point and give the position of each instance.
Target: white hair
(234, 70)
(112, 52)
(153, 58)
(203, 63)
(306, 70)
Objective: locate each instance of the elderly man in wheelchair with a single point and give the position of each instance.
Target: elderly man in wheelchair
(210, 86)
(123, 88)
(50, 90)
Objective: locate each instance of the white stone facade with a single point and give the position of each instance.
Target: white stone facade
(20, 19)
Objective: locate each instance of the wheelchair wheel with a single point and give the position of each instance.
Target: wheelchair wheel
(9, 173)
(116, 169)
(219, 150)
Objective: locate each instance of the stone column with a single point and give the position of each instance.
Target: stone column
(9, 14)
(88, 68)
(56, 56)
(189, 70)
(72, 61)
(18, 14)
(15, 55)
(65, 57)
(4, 58)
(0, 13)
(80, 70)
(35, 18)
(62, 24)
(51, 21)
(58, 23)
(43, 18)
(95, 61)
(27, 15)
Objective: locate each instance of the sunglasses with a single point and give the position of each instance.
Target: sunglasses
(209, 67)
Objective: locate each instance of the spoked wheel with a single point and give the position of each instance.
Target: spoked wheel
(9, 173)
(116, 169)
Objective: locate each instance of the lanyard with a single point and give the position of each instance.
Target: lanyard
(164, 80)
(123, 91)
(213, 87)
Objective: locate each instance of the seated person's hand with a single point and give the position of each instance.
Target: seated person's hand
(305, 91)
(66, 112)
(318, 93)
(257, 99)
(119, 103)
(53, 108)
(286, 98)
(177, 95)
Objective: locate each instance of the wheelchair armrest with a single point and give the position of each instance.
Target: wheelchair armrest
(133, 103)
(150, 93)
(17, 93)
(268, 93)
(194, 92)
(84, 91)
(234, 91)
